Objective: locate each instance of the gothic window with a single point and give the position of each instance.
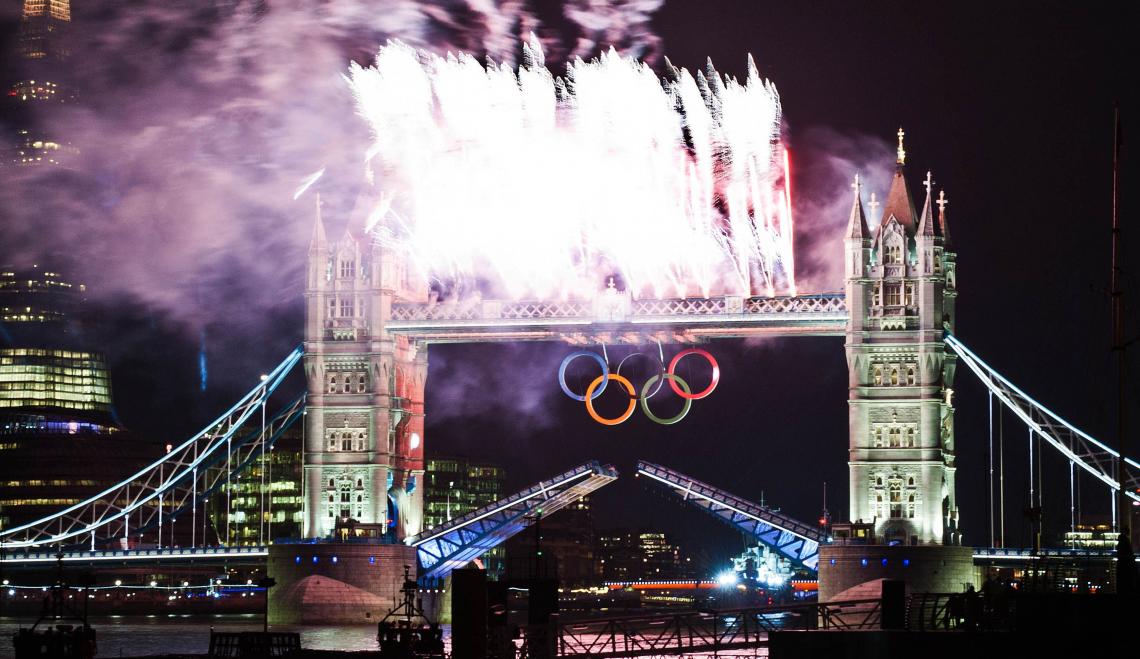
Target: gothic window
(877, 375)
(894, 375)
(909, 294)
(877, 437)
(331, 485)
(893, 254)
(360, 446)
(896, 499)
(910, 375)
(878, 481)
(359, 483)
(331, 498)
(347, 269)
(877, 294)
(909, 443)
(345, 442)
(359, 499)
(910, 506)
(332, 383)
(347, 385)
(331, 514)
(894, 295)
(895, 434)
(361, 383)
(332, 307)
(910, 483)
(346, 307)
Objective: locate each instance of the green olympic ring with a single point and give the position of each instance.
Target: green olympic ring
(674, 379)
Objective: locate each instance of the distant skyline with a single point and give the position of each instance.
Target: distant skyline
(1010, 106)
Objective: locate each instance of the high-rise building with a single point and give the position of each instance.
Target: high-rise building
(59, 442)
(42, 83)
(901, 289)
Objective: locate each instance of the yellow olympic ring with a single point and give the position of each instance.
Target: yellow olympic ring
(625, 415)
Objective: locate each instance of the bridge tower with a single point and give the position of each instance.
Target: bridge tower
(364, 425)
(901, 289)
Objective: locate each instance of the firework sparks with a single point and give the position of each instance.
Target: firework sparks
(539, 185)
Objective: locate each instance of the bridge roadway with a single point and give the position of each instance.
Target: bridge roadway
(616, 318)
(126, 556)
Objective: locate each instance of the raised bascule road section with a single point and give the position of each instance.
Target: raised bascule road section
(791, 538)
(464, 539)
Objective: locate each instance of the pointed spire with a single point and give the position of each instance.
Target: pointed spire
(943, 229)
(857, 224)
(900, 155)
(899, 204)
(319, 239)
(926, 224)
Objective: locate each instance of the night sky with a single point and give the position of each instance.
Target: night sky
(1011, 107)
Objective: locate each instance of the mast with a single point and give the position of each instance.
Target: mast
(1118, 341)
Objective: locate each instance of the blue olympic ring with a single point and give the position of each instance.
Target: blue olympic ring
(571, 357)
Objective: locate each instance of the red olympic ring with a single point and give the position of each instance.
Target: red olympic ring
(625, 415)
(715, 373)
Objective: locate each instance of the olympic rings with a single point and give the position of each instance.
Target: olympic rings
(592, 355)
(660, 377)
(589, 399)
(715, 374)
(678, 385)
(645, 399)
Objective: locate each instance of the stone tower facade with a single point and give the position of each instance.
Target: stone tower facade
(364, 425)
(901, 289)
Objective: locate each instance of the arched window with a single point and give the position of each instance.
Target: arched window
(910, 375)
(332, 384)
(878, 481)
(332, 484)
(894, 375)
(361, 384)
(910, 483)
(359, 483)
(877, 376)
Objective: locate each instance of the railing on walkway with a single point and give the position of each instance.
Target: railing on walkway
(685, 632)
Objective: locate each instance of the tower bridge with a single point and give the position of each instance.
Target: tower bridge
(370, 324)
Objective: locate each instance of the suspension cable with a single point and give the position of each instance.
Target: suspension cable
(1001, 468)
(990, 401)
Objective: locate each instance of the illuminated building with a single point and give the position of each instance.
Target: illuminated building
(43, 53)
(59, 443)
(254, 517)
(901, 289)
(454, 487)
(641, 556)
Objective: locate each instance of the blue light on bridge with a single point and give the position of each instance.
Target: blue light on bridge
(884, 562)
(863, 562)
(314, 559)
(334, 559)
(372, 560)
(833, 561)
(297, 560)
(906, 562)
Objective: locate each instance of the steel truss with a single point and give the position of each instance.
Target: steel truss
(617, 318)
(171, 485)
(462, 540)
(1081, 449)
(792, 539)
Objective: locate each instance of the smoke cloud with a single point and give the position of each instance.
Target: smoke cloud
(194, 124)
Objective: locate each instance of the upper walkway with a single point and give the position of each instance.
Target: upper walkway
(617, 318)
